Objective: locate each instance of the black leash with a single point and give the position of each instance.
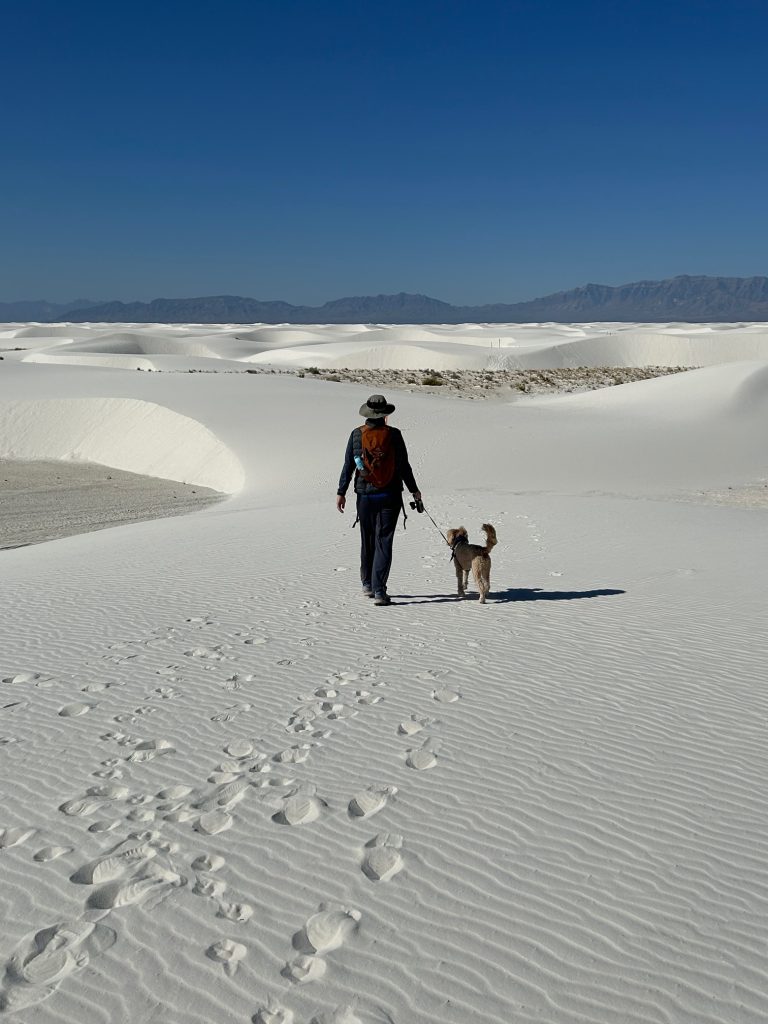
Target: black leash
(452, 546)
(436, 526)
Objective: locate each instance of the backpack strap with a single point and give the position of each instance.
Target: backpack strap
(357, 441)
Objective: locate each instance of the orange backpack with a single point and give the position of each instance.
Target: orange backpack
(378, 455)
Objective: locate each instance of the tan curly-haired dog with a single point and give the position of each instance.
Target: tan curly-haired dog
(468, 556)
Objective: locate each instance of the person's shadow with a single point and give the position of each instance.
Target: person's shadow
(511, 594)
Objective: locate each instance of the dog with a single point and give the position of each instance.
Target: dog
(468, 556)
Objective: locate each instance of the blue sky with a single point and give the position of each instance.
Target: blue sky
(473, 151)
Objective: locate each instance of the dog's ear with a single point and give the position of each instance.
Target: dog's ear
(462, 532)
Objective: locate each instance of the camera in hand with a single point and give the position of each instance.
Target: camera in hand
(418, 505)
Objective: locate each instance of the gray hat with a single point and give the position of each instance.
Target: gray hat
(376, 408)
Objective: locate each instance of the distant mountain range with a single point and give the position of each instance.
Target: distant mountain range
(39, 310)
(688, 299)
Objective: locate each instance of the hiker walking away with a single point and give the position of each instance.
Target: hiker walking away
(377, 458)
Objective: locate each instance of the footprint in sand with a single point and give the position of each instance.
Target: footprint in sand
(301, 718)
(164, 693)
(207, 654)
(141, 815)
(44, 960)
(49, 853)
(305, 969)
(144, 709)
(125, 718)
(30, 679)
(326, 930)
(121, 738)
(108, 773)
(225, 796)
(76, 709)
(148, 750)
(223, 776)
(235, 681)
(154, 882)
(344, 678)
(326, 692)
(365, 697)
(422, 758)
(370, 801)
(341, 1015)
(110, 791)
(126, 857)
(294, 755)
(81, 807)
(273, 1013)
(239, 748)
(211, 888)
(208, 862)
(413, 725)
(445, 696)
(300, 807)
(228, 953)
(382, 858)
(300, 728)
(104, 825)
(14, 836)
(97, 687)
(238, 912)
(338, 712)
(230, 713)
(213, 822)
(174, 793)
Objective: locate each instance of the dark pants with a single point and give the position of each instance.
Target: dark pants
(378, 519)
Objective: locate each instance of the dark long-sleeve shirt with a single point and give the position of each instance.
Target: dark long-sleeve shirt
(403, 471)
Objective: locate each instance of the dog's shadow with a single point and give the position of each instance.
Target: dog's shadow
(512, 594)
(537, 594)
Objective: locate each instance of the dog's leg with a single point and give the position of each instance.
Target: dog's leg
(481, 573)
(459, 578)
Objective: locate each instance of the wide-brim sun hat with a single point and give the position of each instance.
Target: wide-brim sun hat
(377, 407)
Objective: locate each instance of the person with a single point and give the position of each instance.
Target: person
(379, 500)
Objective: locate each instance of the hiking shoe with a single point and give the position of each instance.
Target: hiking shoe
(382, 599)
(367, 592)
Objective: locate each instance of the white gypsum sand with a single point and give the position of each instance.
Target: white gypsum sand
(561, 791)
(45, 500)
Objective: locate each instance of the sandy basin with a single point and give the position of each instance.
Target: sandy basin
(42, 501)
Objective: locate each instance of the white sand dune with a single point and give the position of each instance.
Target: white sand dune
(129, 434)
(233, 790)
(357, 346)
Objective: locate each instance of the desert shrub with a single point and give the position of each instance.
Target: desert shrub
(432, 381)
(312, 369)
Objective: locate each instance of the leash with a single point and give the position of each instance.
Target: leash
(452, 546)
(436, 526)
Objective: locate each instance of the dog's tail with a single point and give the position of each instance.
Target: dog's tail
(490, 537)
